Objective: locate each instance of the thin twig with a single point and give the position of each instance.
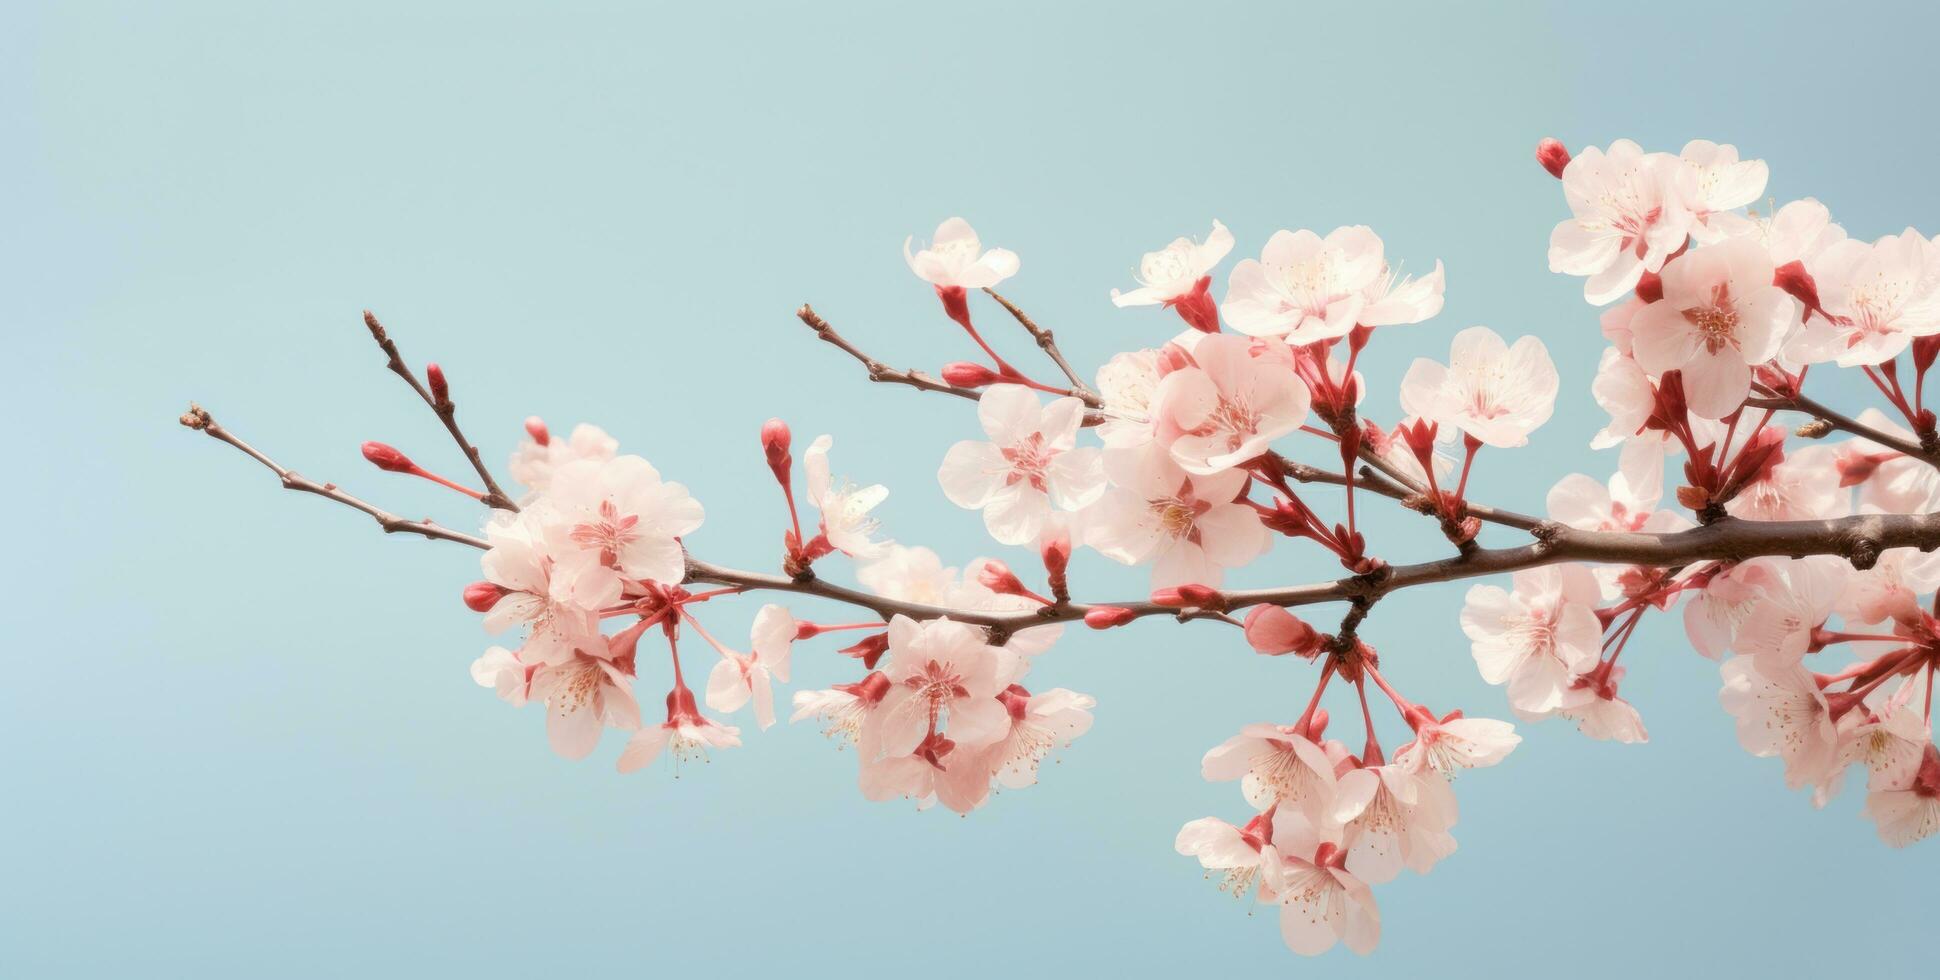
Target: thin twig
(446, 411)
(1837, 420)
(878, 371)
(1050, 347)
(199, 419)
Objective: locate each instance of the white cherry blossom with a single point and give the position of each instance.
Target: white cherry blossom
(1031, 462)
(1492, 391)
(1305, 288)
(955, 257)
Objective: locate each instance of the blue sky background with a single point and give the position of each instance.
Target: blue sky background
(239, 737)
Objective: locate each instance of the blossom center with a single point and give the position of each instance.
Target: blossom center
(609, 534)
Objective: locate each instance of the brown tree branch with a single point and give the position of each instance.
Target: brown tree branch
(446, 411)
(1845, 423)
(1860, 540)
(878, 371)
(199, 419)
(1050, 347)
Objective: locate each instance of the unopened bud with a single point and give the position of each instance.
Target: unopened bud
(440, 390)
(997, 577)
(536, 428)
(775, 443)
(1553, 155)
(967, 374)
(1106, 617)
(482, 596)
(1273, 631)
(385, 458)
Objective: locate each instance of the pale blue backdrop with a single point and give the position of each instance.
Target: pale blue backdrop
(236, 730)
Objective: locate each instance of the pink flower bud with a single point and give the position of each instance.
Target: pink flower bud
(482, 596)
(385, 458)
(1057, 554)
(967, 374)
(1553, 155)
(997, 577)
(1106, 617)
(1274, 631)
(775, 442)
(536, 428)
(440, 391)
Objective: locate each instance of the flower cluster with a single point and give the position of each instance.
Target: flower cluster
(1807, 567)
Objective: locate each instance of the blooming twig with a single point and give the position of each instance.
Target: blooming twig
(1050, 346)
(447, 412)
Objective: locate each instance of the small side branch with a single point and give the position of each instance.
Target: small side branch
(1050, 347)
(878, 371)
(199, 419)
(446, 411)
(1845, 423)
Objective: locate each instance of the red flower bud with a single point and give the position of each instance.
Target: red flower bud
(997, 577)
(1189, 595)
(1553, 155)
(1106, 617)
(385, 458)
(440, 391)
(1197, 308)
(536, 428)
(775, 442)
(1273, 631)
(966, 374)
(482, 596)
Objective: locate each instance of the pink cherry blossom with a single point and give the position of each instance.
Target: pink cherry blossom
(1792, 602)
(1880, 296)
(1275, 764)
(955, 775)
(1713, 181)
(740, 677)
(1896, 484)
(1128, 384)
(1304, 288)
(1628, 218)
(503, 671)
(1908, 811)
(956, 257)
(1031, 462)
(1717, 612)
(1174, 271)
(1804, 487)
(945, 677)
(1891, 589)
(1393, 299)
(1321, 903)
(621, 512)
(1538, 637)
(1720, 316)
(1395, 816)
(1453, 744)
(554, 598)
(1600, 714)
(1494, 392)
(1229, 405)
(584, 696)
(1781, 711)
(1622, 389)
(843, 709)
(1039, 723)
(1628, 502)
(534, 462)
(844, 507)
(686, 736)
(1799, 231)
(1888, 738)
(1245, 856)
(1186, 526)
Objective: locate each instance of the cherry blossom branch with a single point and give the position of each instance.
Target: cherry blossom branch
(1050, 347)
(198, 418)
(447, 412)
